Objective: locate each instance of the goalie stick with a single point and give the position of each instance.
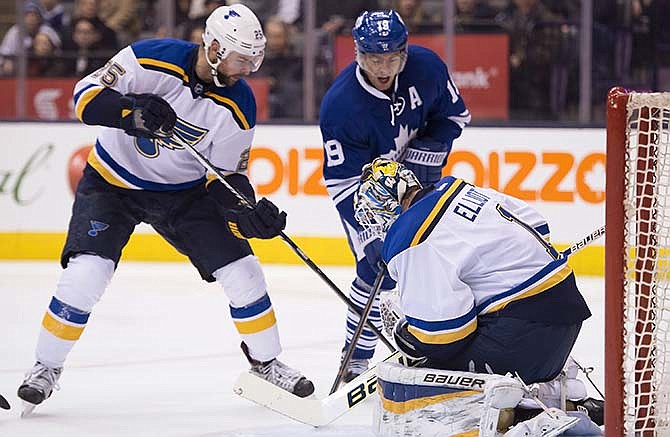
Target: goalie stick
(246, 202)
(319, 412)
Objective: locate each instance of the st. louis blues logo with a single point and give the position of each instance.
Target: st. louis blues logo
(96, 228)
(150, 148)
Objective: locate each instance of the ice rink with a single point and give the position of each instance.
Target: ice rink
(160, 353)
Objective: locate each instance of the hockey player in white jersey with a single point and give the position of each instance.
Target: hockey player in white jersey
(481, 287)
(147, 94)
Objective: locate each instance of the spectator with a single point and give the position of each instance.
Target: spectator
(475, 16)
(85, 49)
(123, 17)
(288, 11)
(55, 15)
(338, 16)
(416, 18)
(89, 9)
(528, 23)
(45, 59)
(156, 26)
(284, 70)
(11, 43)
(194, 30)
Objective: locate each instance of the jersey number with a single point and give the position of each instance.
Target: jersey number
(334, 153)
(109, 73)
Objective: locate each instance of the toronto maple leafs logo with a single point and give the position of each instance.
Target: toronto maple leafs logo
(399, 106)
(405, 135)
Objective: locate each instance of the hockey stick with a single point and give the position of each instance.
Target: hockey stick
(359, 328)
(580, 244)
(319, 412)
(246, 202)
(311, 411)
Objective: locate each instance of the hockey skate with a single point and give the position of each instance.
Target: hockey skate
(39, 383)
(355, 368)
(281, 375)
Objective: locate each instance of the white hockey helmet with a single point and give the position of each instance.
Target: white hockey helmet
(237, 29)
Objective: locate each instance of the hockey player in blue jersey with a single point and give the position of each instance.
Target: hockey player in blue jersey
(148, 93)
(481, 287)
(396, 101)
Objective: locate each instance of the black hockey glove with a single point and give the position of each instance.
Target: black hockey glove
(405, 340)
(426, 157)
(147, 115)
(263, 221)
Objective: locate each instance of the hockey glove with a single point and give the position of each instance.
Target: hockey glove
(405, 340)
(426, 157)
(147, 115)
(263, 221)
(373, 253)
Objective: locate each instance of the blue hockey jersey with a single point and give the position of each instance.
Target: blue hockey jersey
(359, 123)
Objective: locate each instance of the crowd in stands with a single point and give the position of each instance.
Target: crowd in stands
(631, 42)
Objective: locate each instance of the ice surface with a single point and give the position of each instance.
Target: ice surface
(160, 353)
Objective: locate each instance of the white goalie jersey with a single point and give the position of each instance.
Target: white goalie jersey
(463, 251)
(218, 121)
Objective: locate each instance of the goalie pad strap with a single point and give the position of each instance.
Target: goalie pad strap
(425, 157)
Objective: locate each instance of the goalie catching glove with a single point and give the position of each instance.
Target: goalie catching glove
(147, 115)
(262, 221)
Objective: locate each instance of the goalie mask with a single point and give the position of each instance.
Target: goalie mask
(236, 29)
(383, 184)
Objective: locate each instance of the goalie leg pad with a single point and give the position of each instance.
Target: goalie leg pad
(428, 402)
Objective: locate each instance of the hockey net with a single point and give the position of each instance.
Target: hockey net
(637, 270)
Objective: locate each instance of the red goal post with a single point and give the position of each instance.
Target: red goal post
(637, 273)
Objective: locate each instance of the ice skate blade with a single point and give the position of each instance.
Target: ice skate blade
(28, 409)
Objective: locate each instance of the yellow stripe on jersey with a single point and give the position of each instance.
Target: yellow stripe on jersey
(94, 162)
(414, 404)
(85, 99)
(262, 323)
(555, 279)
(162, 64)
(60, 329)
(435, 212)
(444, 338)
(232, 106)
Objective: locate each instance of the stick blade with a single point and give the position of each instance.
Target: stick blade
(306, 410)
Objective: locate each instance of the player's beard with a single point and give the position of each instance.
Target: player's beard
(227, 80)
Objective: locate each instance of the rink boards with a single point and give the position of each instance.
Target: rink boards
(559, 171)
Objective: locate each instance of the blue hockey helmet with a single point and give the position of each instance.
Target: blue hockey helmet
(378, 199)
(380, 32)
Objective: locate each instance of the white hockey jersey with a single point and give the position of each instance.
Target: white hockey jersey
(219, 122)
(462, 251)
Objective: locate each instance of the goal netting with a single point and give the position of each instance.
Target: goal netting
(637, 318)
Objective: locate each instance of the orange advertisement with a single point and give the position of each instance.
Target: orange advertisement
(566, 177)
